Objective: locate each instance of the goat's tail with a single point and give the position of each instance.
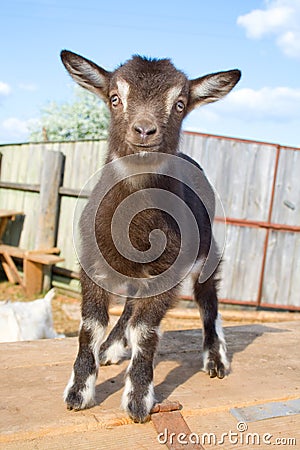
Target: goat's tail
(49, 296)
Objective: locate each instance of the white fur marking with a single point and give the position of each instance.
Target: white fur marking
(123, 89)
(135, 336)
(137, 174)
(150, 398)
(88, 393)
(172, 95)
(69, 385)
(126, 393)
(212, 87)
(219, 328)
(222, 348)
(114, 353)
(205, 360)
(98, 332)
(196, 268)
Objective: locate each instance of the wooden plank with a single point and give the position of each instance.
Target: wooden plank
(47, 260)
(9, 213)
(33, 277)
(7, 270)
(173, 430)
(220, 430)
(10, 269)
(241, 261)
(20, 186)
(67, 192)
(286, 208)
(206, 401)
(18, 167)
(15, 252)
(66, 273)
(241, 172)
(48, 251)
(281, 281)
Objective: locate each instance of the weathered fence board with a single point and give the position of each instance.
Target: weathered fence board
(241, 172)
(258, 186)
(241, 263)
(287, 191)
(282, 280)
(51, 180)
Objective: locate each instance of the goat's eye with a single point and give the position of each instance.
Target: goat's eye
(180, 106)
(115, 100)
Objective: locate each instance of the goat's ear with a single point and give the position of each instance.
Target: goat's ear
(86, 73)
(211, 88)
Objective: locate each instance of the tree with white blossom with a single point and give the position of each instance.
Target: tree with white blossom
(84, 118)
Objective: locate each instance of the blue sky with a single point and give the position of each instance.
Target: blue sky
(262, 38)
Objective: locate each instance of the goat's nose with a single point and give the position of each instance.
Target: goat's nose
(145, 128)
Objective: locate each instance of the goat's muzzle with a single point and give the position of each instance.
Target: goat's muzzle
(144, 135)
(145, 129)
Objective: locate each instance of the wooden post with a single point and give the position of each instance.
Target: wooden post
(34, 274)
(51, 180)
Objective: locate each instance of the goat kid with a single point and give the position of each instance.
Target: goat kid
(148, 99)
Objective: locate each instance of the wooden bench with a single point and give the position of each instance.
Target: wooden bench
(33, 266)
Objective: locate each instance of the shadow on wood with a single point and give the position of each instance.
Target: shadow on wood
(185, 348)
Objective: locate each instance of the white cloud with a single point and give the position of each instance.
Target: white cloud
(268, 105)
(289, 43)
(5, 89)
(31, 87)
(16, 128)
(280, 18)
(279, 103)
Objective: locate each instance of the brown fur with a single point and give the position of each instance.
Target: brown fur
(148, 99)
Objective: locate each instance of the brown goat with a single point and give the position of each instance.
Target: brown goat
(147, 225)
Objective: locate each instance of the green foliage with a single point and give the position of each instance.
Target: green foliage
(86, 117)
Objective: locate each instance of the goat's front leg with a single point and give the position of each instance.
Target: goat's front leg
(215, 361)
(143, 337)
(80, 391)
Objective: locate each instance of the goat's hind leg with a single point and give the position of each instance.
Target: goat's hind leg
(215, 361)
(114, 347)
(80, 391)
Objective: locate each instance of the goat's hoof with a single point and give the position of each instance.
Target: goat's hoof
(105, 362)
(215, 369)
(137, 412)
(112, 354)
(75, 402)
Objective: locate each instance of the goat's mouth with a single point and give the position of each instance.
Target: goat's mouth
(138, 147)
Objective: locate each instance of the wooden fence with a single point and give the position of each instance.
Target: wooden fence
(257, 183)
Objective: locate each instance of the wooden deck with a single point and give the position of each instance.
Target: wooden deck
(265, 369)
